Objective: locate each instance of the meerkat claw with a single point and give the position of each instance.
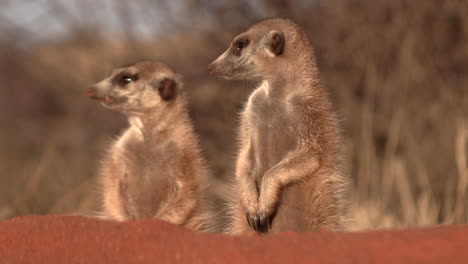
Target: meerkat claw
(249, 220)
(263, 224)
(253, 221)
(260, 224)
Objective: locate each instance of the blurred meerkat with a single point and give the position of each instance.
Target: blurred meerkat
(286, 175)
(155, 168)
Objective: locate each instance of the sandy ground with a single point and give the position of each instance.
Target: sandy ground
(74, 239)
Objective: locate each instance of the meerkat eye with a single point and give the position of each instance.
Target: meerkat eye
(127, 78)
(240, 45)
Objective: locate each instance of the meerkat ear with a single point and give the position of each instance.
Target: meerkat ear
(167, 89)
(276, 42)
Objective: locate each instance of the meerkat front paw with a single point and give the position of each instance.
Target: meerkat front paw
(266, 205)
(252, 216)
(260, 222)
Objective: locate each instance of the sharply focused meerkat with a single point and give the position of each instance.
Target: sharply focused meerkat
(155, 168)
(286, 171)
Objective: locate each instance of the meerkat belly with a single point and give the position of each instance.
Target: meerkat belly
(273, 134)
(147, 194)
(294, 212)
(311, 205)
(272, 146)
(145, 185)
(147, 175)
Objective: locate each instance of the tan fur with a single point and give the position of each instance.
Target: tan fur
(286, 173)
(155, 168)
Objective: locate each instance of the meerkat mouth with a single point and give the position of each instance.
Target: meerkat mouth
(105, 99)
(111, 100)
(108, 100)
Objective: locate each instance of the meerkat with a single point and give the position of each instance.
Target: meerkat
(155, 169)
(286, 172)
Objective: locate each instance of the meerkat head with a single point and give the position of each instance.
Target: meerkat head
(138, 87)
(258, 52)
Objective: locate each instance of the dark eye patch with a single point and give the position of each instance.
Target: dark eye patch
(239, 45)
(125, 78)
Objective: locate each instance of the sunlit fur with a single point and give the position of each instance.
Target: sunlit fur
(288, 137)
(155, 168)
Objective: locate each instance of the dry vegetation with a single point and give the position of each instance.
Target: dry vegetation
(397, 72)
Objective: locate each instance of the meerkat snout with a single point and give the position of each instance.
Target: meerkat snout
(91, 92)
(210, 69)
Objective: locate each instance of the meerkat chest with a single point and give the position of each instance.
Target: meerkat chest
(146, 156)
(131, 136)
(266, 109)
(272, 126)
(125, 147)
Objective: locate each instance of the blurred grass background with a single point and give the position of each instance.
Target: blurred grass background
(396, 71)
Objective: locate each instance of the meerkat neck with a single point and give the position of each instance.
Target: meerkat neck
(273, 88)
(298, 75)
(161, 124)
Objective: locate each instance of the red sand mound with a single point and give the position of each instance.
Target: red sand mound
(72, 239)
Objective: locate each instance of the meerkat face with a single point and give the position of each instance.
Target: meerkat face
(136, 88)
(250, 54)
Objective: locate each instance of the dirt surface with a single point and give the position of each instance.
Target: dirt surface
(73, 239)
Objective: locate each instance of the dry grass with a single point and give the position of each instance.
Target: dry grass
(396, 71)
